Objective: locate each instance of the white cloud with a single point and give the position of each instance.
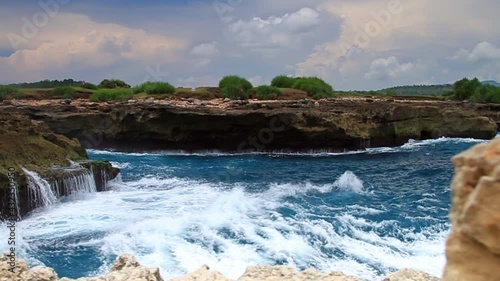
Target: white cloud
(205, 50)
(74, 40)
(484, 51)
(274, 32)
(256, 80)
(418, 30)
(197, 81)
(383, 69)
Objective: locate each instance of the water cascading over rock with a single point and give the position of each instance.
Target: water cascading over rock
(40, 193)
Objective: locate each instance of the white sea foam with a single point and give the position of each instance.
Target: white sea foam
(411, 145)
(180, 224)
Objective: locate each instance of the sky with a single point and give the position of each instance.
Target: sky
(352, 44)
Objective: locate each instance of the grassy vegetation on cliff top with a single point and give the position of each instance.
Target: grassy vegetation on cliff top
(234, 86)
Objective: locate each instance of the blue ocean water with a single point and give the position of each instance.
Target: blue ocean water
(363, 213)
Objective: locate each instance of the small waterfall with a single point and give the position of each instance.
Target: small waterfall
(103, 177)
(40, 192)
(18, 207)
(82, 183)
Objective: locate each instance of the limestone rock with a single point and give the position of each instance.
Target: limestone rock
(124, 261)
(410, 275)
(278, 273)
(40, 273)
(6, 274)
(126, 268)
(202, 274)
(473, 247)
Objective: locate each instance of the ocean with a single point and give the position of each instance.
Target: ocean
(364, 213)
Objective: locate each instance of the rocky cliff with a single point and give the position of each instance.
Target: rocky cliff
(336, 124)
(473, 247)
(29, 145)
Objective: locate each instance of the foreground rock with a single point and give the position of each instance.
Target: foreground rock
(410, 275)
(126, 268)
(237, 126)
(473, 247)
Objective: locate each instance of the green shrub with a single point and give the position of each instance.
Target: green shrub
(314, 86)
(64, 92)
(112, 84)
(283, 81)
(267, 92)
(89, 86)
(465, 88)
(8, 91)
(234, 91)
(154, 88)
(111, 94)
(235, 87)
(486, 94)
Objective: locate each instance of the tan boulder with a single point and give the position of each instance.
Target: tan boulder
(9, 273)
(473, 247)
(126, 268)
(278, 273)
(202, 274)
(410, 275)
(40, 273)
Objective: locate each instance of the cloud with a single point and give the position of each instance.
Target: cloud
(205, 50)
(484, 51)
(76, 41)
(256, 80)
(197, 81)
(389, 68)
(274, 32)
(406, 29)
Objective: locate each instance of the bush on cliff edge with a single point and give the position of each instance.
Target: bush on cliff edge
(154, 88)
(283, 81)
(267, 92)
(113, 84)
(8, 91)
(64, 92)
(314, 86)
(111, 94)
(234, 86)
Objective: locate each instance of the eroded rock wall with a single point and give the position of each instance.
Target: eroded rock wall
(473, 247)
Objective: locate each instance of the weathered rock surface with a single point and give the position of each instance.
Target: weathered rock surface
(31, 144)
(473, 247)
(126, 268)
(269, 125)
(275, 273)
(410, 275)
(202, 274)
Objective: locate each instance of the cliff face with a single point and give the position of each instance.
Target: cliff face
(257, 126)
(31, 145)
(473, 247)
